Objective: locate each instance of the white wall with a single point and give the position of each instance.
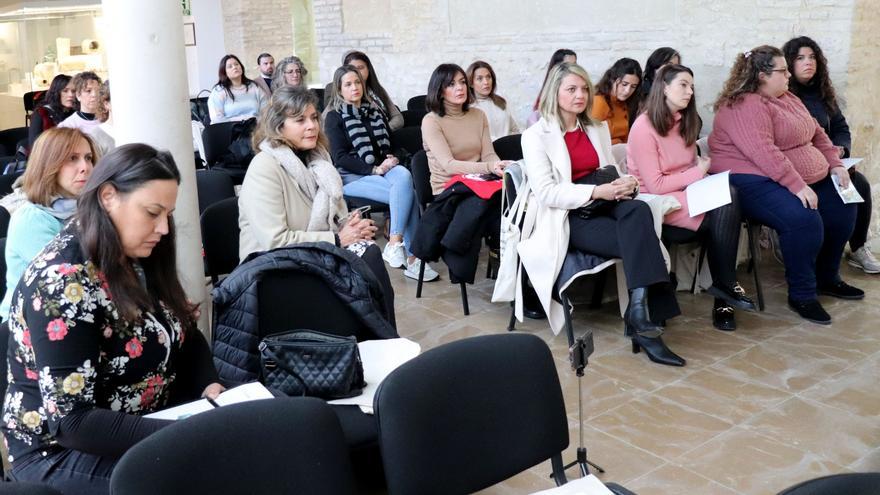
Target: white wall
(202, 59)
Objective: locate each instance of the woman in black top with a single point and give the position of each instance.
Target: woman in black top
(101, 332)
(812, 84)
(57, 104)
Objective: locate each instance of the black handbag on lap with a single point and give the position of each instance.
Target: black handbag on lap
(315, 364)
(597, 207)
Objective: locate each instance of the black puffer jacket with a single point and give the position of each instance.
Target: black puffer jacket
(237, 334)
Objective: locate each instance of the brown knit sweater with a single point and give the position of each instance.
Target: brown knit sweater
(773, 137)
(457, 143)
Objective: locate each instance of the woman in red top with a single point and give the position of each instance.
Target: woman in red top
(782, 164)
(563, 153)
(662, 153)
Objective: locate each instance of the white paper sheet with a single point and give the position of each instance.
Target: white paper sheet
(708, 193)
(588, 485)
(380, 358)
(851, 162)
(848, 194)
(241, 393)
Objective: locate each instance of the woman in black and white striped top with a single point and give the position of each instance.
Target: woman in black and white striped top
(360, 144)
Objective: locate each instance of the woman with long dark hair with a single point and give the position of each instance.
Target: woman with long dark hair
(782, 163)
(374, 89)
(559, 56)
(235, 96)
(57, 104)
(617, 97)
(812, 84)
(483, 82)
(662, 154)
(101, 332)
(658, 58)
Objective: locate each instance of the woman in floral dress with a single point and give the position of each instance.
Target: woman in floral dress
(101, 332)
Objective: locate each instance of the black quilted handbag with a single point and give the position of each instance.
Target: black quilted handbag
(306, 362)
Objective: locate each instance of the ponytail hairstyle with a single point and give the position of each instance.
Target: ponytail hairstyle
(743, 78)
(661, 116)
(126, 169)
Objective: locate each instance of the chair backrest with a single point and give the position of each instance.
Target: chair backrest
(618, 151)
(315, 307)
(408, 138)
(26, 488)
(30, 100)
(9, 139)
(217, 138)
(469, 414)
(319, 92)
(509, 147)
(213, 186)
(282, 445)
(848, 483)
(220, 237)
(413, 118)
(417, 103)
(421, 175)
(6, 181)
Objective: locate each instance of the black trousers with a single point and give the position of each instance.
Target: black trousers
(863, 210)
(626, 232)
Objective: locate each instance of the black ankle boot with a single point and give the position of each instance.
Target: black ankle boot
(636, 317)
(656, 350)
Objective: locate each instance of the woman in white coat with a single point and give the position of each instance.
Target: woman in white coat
(563, 153)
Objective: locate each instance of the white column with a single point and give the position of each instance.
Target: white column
(148, 83)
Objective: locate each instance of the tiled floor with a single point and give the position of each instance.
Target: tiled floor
(754, 411)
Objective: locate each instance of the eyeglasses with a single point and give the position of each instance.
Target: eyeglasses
(779, 70)
(294, 71)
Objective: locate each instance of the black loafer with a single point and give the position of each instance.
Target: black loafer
(810, 310)
(534, 314)
(733, 297)
(842, 290)
(722, 317)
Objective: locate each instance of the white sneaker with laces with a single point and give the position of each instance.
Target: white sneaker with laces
(394, 254)
(864, 259)
(412, 271)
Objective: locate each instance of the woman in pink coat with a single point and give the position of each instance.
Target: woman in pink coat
(661, 153)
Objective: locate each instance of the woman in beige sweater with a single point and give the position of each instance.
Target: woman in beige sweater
(292, 193)
(455, 137)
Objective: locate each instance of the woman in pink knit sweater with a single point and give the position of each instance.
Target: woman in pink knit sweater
(782, 164)
(662, 154)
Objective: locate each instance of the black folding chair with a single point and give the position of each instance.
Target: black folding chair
(509, 147)
(408, 138)
(838, 484)
(6, 182)
(220, 238)
(413, 118)
(216, 139)
(213, 186)
(417, 103)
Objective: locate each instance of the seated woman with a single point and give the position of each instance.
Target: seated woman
(234, 97)
(292, 193)
(617, 99)
(360, 144)
(377, 94)
(57, 104)
(559, 56)
(290, 71)
(781, 163)
(812, 84)
(562, 153)
(482, 80)
(87, 86)
(101, 332)
(659, 57)
(103, 134)
(662, 154)
(60, 164)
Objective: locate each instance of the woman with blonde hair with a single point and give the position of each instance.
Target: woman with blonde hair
(784, 168)
(580, 203)
(61, 162)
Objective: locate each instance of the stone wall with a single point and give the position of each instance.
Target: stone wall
(252, 28)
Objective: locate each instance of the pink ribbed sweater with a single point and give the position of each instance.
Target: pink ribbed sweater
(773, 137)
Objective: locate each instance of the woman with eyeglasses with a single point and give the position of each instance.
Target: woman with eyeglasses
(784, 166)
(290, 71)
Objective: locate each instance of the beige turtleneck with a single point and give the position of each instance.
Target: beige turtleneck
(457, 143)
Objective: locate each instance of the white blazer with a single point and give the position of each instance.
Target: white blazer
(542, 249)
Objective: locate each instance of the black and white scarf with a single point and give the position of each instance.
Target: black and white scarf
(366, 124)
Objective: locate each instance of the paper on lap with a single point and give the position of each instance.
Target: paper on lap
(241, 393)
(708, 193)
(588, 485)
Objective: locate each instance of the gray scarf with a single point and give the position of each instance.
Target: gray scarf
(61, 208)
(318, 179)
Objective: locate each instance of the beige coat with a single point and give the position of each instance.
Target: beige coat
(273, 210)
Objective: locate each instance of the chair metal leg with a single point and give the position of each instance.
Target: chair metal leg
(753, 253)
(558, 470)
(512, 323)
(464, 299)
(421, 279)
(598, 290)
(566, 312)
(698, 268)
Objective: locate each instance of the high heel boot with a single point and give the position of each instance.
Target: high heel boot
(656, 350)
(636, 317)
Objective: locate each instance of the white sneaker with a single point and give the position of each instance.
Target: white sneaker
(864, 259)
(394, 254)
(412, 271)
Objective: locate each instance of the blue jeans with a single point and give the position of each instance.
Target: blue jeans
(812, 241)
(396, 189)
(71, 471)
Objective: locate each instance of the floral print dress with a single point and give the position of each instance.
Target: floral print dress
(71, 352)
